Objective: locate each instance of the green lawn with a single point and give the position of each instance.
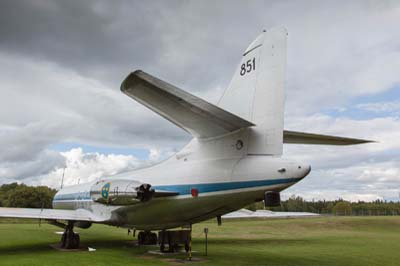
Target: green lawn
(317, 241)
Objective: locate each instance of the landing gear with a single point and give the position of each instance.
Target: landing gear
(170, 241)
(168, 238)
(147, 238)
(69, 239)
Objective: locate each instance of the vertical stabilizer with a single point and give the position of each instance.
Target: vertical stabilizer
(256, 92)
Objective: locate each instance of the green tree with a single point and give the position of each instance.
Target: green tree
(23, 196)
(338, 207)
(342, 208)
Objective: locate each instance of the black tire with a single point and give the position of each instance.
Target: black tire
(147, 238)
(63, 240)
(141, 237)
(69, 243)
(72, 241)
(77, 241)
(153, 238)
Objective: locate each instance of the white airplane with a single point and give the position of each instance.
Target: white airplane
(233, 160)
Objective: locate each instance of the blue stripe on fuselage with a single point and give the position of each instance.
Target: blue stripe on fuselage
(201, 188)
(214, 187)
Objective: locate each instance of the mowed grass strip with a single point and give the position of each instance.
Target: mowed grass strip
(313, 241)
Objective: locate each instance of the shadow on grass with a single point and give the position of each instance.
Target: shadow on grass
(250, 242)
(26, 248)
(46, 247)
(115, 244)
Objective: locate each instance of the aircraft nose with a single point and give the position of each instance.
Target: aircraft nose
(304, 170)
(307, 170)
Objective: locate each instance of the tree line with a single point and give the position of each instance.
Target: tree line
(23, 196)
(335, 207)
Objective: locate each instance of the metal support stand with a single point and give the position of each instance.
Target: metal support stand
(190, 243)
(219, 220)
(206, 233)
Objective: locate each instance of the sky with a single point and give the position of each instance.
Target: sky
(62, 63)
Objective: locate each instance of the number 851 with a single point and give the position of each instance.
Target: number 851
(248, 67)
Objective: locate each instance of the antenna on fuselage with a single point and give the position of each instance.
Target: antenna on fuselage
(62, 179)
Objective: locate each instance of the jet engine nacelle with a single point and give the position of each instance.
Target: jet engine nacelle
(272, 199)
(83, 224)
(121, 192)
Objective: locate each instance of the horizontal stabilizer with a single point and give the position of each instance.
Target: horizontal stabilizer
(196, 116)
(317, 139)
(50, 214)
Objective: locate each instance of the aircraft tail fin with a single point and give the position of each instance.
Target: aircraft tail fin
(256, 92)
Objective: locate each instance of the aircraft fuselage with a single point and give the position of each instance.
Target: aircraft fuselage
(206, 187)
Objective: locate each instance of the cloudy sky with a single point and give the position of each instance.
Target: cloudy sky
(62, 62)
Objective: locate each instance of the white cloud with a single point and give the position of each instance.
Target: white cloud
(337, 52)
(362, 181)
(154, 154)
(42, 163)
(84, 167)
(52, 104)
(359, 172)
(392, 107)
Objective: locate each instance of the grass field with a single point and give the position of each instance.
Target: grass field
(318, 241)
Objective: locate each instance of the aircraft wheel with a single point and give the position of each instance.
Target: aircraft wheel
(141, 238)
(147, 238)
(63, 240)
(77, 240)
(162, 248)
(69, 243)
(153, 238)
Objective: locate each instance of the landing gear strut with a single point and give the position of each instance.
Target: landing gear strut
(69, 239)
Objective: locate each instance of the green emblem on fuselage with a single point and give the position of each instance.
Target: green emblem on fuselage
(104, 191)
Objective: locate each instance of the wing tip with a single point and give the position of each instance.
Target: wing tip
(296, 137)
(363, 141)
(131, 78)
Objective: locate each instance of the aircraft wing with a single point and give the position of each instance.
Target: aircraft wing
(50, 214)
(196, 116)
(295, 137)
